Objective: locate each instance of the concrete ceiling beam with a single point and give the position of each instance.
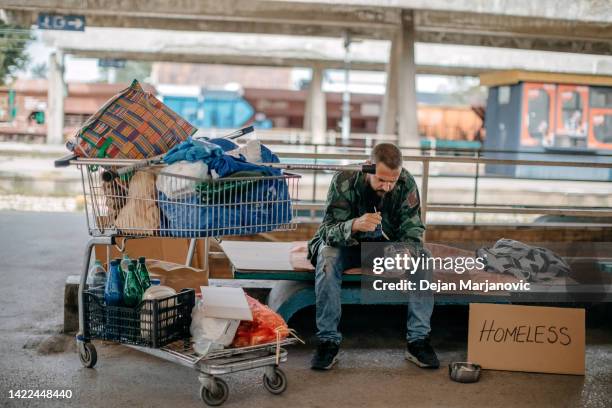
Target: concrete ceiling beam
(370, 21)
(513, 32)
(265, 61)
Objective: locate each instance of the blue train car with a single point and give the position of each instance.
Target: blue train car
(208, 108)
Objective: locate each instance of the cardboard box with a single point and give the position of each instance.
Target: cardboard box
(177, 276)
(165, 249)
(527, 338)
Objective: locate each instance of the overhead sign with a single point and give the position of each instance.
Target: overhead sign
(527, 338)
(111, 63)
(70, 22)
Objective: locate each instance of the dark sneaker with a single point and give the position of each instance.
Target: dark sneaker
(422, 354)
(325, 356)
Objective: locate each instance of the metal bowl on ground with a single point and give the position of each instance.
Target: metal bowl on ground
(464, 372)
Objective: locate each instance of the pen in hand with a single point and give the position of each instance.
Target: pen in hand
(381, 230)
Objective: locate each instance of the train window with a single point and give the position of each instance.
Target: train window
(601, 97)
(602, 128)
(538, 110)
(571, 110)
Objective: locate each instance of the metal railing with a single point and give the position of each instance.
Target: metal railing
(477, 160)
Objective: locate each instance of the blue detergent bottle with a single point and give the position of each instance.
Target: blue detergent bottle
(113, 291)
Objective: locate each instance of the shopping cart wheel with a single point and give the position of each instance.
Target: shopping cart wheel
(88, 355)
(277, 385)
(219, 397)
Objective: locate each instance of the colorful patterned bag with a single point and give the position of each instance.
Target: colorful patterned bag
(131, 125)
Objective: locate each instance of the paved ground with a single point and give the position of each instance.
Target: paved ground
(38, 251)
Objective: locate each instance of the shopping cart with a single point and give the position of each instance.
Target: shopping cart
(149, 201)
(129, 199)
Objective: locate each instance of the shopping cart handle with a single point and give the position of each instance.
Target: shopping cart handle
(65, 161)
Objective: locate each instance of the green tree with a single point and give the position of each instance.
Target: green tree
(39, 70)
(13, 57)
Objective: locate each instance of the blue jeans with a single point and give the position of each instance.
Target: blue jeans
(331, 262)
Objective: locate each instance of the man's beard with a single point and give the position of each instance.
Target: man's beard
(380, 193)
(375, 197)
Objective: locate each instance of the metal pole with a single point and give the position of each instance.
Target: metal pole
(314, 181)
(190, 252)
(424, 187)
(476, 187)
(346, 95)
(206, 254)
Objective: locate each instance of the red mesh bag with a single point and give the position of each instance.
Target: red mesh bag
(262, 329)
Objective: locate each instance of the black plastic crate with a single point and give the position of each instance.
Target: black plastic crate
(153, 323)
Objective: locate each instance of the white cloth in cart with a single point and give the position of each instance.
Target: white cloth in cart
(174, 186)
(140, 214)
(251, 151)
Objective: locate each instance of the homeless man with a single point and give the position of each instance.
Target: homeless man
(357, 206)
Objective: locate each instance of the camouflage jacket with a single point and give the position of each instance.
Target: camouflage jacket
(401, 212)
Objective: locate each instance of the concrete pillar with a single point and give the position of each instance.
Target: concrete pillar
(387, 121)
(407, 101)
(315, 114)
(55, 99)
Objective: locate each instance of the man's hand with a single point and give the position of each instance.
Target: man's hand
(366, 223)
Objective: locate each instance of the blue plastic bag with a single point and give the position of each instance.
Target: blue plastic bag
(264, 206)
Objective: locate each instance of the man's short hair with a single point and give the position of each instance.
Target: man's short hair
(387, 153)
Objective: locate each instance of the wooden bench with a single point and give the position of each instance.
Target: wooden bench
(294, 289)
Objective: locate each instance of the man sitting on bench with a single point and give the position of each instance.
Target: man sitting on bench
(357, 204)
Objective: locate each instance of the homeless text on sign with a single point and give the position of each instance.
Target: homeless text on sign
(527, 338)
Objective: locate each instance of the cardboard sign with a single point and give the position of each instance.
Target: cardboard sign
(527, 338)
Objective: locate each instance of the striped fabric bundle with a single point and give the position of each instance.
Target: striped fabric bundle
(131, 125)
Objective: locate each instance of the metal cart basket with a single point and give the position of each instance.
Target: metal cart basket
(152, 202)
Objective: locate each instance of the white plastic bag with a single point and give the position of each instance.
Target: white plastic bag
(211, 333)
(176, 187)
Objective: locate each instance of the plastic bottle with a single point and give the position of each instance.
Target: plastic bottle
(143, 273)
(132, 291)
(113, 291)
(125, 263)
(96, 277)
(118, 260)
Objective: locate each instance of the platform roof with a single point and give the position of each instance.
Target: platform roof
(298, 51)
(515, 76)
(552, 25)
